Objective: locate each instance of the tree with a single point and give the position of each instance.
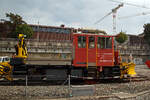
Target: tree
(147, 32)
(24, 29)
(15, 19)
(17, 24)
(121, 37)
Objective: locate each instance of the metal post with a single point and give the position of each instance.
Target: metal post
(69, 83)
(69, 86)
(38, 32)
(26, 85)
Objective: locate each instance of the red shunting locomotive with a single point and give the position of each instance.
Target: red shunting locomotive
(96, 53)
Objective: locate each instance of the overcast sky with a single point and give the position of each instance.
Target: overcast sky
(79, 13)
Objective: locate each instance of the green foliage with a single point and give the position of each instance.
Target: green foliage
(147, 32)
(17, 25)
(24, 29)
(15, 19)
(121, 37)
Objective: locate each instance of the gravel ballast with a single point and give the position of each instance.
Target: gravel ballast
(55, 92)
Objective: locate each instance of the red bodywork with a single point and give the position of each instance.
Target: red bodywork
(148, 63)
(96, 56)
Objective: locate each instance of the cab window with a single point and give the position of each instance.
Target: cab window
(91, 42)
(108, 42)
(6, 59)
(81, 41)
(3, 60)
(0, 59)
(98, 42)
(104, 42)
(101, 42)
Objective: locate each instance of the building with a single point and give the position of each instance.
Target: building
(4, 30)
(46, 33)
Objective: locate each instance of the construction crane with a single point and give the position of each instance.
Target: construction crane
(114, 11)
(131, 4)
(138, 14)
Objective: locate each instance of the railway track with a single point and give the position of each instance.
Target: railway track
(77, 81)
(137, 79)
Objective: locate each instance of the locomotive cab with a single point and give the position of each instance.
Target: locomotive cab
(95, 52)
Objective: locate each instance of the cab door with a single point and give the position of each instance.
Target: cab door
(91, 51)
(105, 51)
(79, 50)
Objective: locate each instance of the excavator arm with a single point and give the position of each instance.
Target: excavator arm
(21, 50)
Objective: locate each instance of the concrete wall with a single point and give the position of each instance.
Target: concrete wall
(135, 45)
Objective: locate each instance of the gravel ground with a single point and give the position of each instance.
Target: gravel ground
(102, 89)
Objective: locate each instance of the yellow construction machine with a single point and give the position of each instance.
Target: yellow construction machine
(21, 54)
(5, 68)
(127, 68)
(21, 50)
